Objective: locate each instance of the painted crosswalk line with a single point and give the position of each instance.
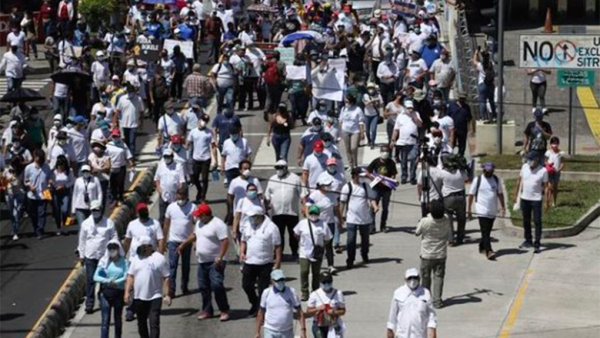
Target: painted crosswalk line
(35, 84)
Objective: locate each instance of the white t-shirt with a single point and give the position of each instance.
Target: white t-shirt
(407, 130)
(315, 165)
(243, 206)
(351, 119)
(554, 158)
(201, 140)
(136, 230)
(444, 72)
(171, 125)
(321, 234)
(148, 276)
(208, 239)
(359, 211)
(325, 203)
(225, 75)
(130, 109)
(235, 153)
(486, 204)
(416, 68)
(279, 308)
(446, 125)
(538, 77)
(171, 177)
(182, 224)
(335, 299)
(18, 38)
(452, 181)
(119, 154)
(533, 182)
(237, 188)
(261, 242)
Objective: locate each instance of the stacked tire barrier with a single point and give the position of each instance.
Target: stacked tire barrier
(68, 298)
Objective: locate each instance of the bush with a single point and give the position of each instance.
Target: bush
(97, 12)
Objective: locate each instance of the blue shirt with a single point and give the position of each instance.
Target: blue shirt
(186, 32)
(155, 29)
(224, 124)
(39, 178)
(461, 116)
(431, 53)
(116, 271)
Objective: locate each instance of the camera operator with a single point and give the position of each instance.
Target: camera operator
(454, 175)
(429, 177)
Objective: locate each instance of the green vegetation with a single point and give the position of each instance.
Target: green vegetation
(97, 12)
(574, 163)
(575, 198)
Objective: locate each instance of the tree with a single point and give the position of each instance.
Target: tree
(97, 12)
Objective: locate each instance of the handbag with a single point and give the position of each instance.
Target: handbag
(318, 250)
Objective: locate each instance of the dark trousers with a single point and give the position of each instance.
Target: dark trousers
(437, 269)
(129, 136)
(177, 86)
(162, 209)
(90, 269)
(456, 206)
(231, 174)
(174, 263)
(329, 246)
(461, 142)
(246, 92)
(364, 230)
(148, 314)
(299, 104)
(210, 279)
(384, 196)
(274, 97)
(538, 90)
(117, 183)
(308, 267)
(486, 224)
(37, 212)
(158, 109)
(527, 208)
(289, 222)
(259, 275)
(388, 90)
(374, 66)
(199, 178)
(115, 304)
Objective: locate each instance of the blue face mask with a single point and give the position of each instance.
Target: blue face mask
(327, 287)
(235, 137)
(280, 285)
(252, 195)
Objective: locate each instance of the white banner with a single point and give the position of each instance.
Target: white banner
(286, 55)
(187, 47)
(330, 85)
(559, 51)
(295, 72)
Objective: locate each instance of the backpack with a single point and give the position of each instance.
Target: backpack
(64, 12)
(271, 75)
(488, 78)
(479, 183)
(364, 185)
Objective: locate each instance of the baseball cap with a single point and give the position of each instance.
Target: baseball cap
(331, 161)
(203, 210)
(280, 164)
(57, 117)
(314, 210)
(141, 206)
(488, 166)
(319, 146)
(168, 152)
(412, 272)
(325, 277)
(85, 167)
(325, 180)
(80, 119)
(409, 104)
(116, 132)
(277, 275)
(96, 205)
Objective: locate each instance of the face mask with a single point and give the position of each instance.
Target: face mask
(532, 163)
(181, 202)
(235, 137)
(327, 287)
(69, 125)
(16, 145)
(168, 160)
(348, 104)
(332, 170)
(246, 173)
(317, 129)
(57, 123)
(318, 154)
(252, 194)
(170, 112)
(437, 103)
(385, 155)
(372, 91)
(202, 125)
(323, 109)
(97, 215)
(86, 175)
(554, 146)
(113, 253)
(280, 285)
(177, 148)
(437, 140)
(328, 144)
(62, 142)
(313, 218)
(412, 283)
(436, 112)
(254, 221)
(280, 172)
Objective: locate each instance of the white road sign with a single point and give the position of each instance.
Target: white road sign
(559, 51)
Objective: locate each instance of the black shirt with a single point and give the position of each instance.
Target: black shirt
(537, 141)
(385, 168)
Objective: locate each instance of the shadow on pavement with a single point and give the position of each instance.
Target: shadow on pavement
(510, 251)
(10, 316)
(470, 297)
(184, 312)
(552, 246)
(349, 293)
(408, 230)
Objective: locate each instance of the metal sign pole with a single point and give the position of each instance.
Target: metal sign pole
(500, 107)
(570, 120)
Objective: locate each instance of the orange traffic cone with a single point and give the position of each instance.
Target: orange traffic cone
(548, 24)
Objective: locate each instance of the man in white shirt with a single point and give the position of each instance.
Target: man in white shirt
(236, 149)
(85, 190)
(120, 156)
(314, 165)
(148, 276)
(404, 138)
(453, 193)
(212, 241)
(260, 242)
(416, 69)
(201, 144)
(443, 72)
(411, 310)
(62, 146)
(14, 64)
(130, 110)
(169, 125)
(359, 204)
(277, 307)
(168, 178)
(224, 77)
(80, 140)
(100, 74)
(531, 188)
(486, 191)
(178, 226)
(282, 198)
(95, 233)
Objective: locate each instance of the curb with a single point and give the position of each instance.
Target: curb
(69, 296)
(509, 229)
(564, 176)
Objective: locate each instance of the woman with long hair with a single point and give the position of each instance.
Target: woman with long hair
(61, 193)
(279, 132)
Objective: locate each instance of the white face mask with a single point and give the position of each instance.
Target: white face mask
(412, 283)
(181, 202)
(280, 172)
(327, 144)
(86, 175)
(246, 173)
(168, 160)
(57, 123)
(436, 112)
(313, 218)
(113, 253)
(327, 287)
(202, 124)
(62, 142)
(437, 102)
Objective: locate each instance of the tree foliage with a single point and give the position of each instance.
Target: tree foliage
(97, 12)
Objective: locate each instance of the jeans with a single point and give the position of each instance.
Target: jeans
(259, 275)
(486, 93)
(351, 142)
(81, 215)
(60, 207)
(129, 136)
(210, 279)
(174, 262)
(60, 105)
(371, 128)
(527, 207)
(200, 178)
(299, 104)
(387, 91)
(437, 268)
(117, 183)
(307, 267)
(281, 144)
(115, 304)
(268, 333)
(289, 222)
(13, 83)
(37, 212)
(365, 230)
(90, 286)
(148, 312)
(224, 98)
(486, 224)
(16, 204)
(408, 161)
(456, 204)
(384, 196)
(538, 90)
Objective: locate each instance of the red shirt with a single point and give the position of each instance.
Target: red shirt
(45, 12)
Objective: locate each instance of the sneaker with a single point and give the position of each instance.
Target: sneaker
(491, 255)
(204, 315)
(537, 250)
(404, 181)
(15, 237)
(349, 265)
(365, 259)
(438, 304)
(526, 245)
(224, 316)
(129, 316)
(332, 270)
(89, 311)
(185, 291)
(413, 182)
(253, 311)
(338, 249)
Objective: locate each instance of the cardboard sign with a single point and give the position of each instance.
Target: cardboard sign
(286, 55)
(330, 85)
(295, 72)
(148, 52)
(404, 8)
(187, 47)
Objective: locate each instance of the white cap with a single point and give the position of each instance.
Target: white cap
(377, 12)
(99, 54)
(325, 180)
(96, 205)
(281, 163)
(58, 117)
(412, 272)
(408, 104)
(168, 152)
(145, 240)
(115, 77)
(85, 167)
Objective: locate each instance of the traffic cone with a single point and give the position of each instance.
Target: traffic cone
(548, 24)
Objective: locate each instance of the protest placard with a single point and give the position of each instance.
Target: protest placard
(286, 55)
(187, 47)
(295, 72)
(330, 85)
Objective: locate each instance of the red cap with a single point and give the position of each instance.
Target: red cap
(177, 139)
(141, 206)
(331, 161)
(203, 210)
(319, 146)
(116, 132)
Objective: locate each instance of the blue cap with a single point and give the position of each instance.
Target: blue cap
(80, 119)
(538, 113)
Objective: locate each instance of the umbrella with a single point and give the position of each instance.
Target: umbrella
(156, 2)
(22, 95)
(300, 35)
(261, 8)
(72, 77)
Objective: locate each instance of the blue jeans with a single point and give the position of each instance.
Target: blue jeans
(106, 305)
(37, 212)
(371, 128)
(224, 98)
(210, 279)
(527, 207)
(364, 230)
(174, 262)
(81, 215)
(486, 93)
(60, 207)
(90, 268)
(268, 333)
(13, 83)
(16, 204)
(408, 159)
(60, 105)
(129, 136)
(281, 144)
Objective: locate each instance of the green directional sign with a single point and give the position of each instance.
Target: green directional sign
(576, 78)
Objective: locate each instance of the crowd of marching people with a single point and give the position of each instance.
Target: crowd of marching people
(396, 73)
